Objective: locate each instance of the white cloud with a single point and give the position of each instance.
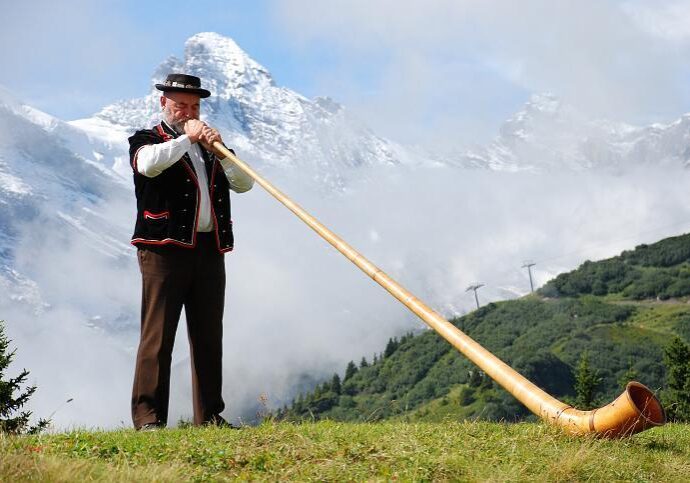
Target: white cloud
(462, 66)
(669, 20)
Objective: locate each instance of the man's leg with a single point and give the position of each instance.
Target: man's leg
(165, 281)
(204, 310)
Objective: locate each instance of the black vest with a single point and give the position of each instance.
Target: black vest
(168, 204)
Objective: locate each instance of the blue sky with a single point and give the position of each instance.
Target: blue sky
(71, 58)
(441, 72)
(103, 51)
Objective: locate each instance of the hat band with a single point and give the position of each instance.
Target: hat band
(180, 84)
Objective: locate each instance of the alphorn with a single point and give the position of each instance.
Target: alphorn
(635, 410)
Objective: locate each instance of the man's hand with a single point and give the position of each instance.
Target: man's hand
(194, 129)
(210, 136)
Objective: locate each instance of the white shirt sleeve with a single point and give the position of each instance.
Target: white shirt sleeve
(239, 180)
(153, 159)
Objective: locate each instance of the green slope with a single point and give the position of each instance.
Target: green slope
(422, 377)
(660, 271)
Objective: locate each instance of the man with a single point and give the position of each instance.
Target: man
(182, 231)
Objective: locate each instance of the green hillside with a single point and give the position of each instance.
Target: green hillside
(621, 312)
(660, 271)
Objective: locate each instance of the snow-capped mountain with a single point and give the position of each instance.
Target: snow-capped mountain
(47, 167)
(265, 123)
(549, 135)
(54, 186)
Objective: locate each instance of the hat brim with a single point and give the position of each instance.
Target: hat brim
(203, 93)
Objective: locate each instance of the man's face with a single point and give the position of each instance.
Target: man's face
(180, 107)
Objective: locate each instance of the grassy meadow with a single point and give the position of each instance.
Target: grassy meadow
(326, 450)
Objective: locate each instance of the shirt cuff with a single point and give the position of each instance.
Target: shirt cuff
(227, 164)
(184, 141)
(239, 180)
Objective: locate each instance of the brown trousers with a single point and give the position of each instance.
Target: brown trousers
(173, 277)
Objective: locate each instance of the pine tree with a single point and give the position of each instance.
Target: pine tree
(677, 395)
(586, 383)
(12, 419)
(363, 363)
(391, 347)
(336, 387)
(350, 371)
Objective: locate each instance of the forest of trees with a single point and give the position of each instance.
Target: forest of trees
(571, 339)
(661, 270)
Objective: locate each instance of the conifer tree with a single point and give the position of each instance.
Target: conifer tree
(391, 347)
(12, 399)
(336, 387)
(677, 395)
(586, 383)
(350, 371)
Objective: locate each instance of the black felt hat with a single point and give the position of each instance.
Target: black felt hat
(183, 83)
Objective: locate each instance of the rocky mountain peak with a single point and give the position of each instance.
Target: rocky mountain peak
(223, 66)
(265, 122)
(540, 109)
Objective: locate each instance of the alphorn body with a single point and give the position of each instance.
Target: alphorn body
(635, 410)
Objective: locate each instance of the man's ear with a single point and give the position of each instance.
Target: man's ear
(162, 102)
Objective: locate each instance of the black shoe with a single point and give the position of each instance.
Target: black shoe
(151, 427)
(219, 421)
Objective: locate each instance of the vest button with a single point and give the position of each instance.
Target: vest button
(189, 180)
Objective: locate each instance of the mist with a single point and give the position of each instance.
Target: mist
(296, 310)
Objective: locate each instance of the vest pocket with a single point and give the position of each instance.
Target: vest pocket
(157, 224)
(162, 215)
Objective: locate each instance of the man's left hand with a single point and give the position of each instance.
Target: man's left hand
(210, 136)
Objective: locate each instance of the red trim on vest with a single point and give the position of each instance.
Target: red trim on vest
(170, 241)
(156, 216)
(210, 198)
(161, 131)
(165, 241)
(216, 167)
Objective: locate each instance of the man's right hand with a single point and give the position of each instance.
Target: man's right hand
(194, 130)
